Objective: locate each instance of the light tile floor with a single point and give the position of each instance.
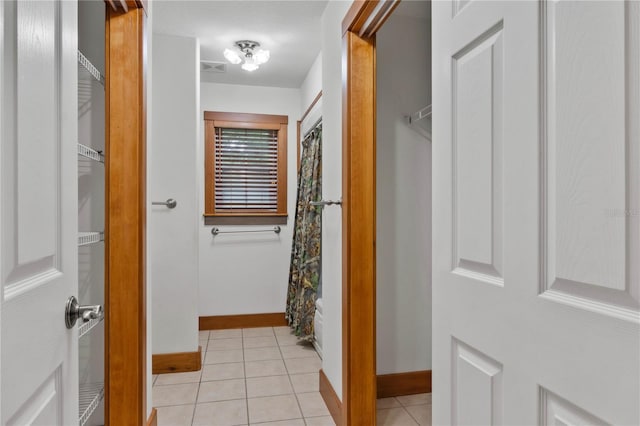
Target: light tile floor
(262, 376)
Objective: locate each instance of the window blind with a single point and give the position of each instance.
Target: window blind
(246, 170)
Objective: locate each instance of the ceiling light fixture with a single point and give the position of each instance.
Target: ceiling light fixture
(252, 58)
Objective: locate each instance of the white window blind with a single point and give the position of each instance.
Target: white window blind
(246, 170)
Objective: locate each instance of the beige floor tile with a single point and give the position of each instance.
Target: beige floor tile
(177, 378)
(224, 344)
(153, 379)
(257, 332)
(395, 417)
(284, 330)
(320, 421)
(203, 335)
(225, 334)
(221, 390)
(177, 415)
(222, 371)
(259, 342)
(308, 382)
(387, 403)
(203, 344)
(417, 399)
(290, 422)
(272, 367)
(223, 356)
(298, 351)
(421, 413)
(312, 404)
(303, 365)
(287, 339)
(175, 394)
(261, 354)
(268, 386)
(273, 408)
(223, 413)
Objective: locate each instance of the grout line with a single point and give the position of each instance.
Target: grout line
(410, 415)
(246, 387)
(291, 383)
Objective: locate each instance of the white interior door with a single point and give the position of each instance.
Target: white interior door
(536, 161)
(38, 211)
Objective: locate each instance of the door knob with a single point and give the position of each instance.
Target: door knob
(74, 311)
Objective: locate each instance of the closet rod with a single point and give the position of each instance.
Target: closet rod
(216, 231)
(420, 114)
(82, 60)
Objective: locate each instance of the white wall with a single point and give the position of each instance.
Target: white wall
(311, 85)
(174, 141)
(332, 189)
(247, 273)
(403, 267)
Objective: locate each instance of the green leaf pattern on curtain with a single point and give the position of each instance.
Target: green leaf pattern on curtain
(304, 273)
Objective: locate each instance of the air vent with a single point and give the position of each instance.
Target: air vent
(213, 67)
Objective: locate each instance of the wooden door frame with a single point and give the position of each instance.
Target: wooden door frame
(359, 28)
(125, 216)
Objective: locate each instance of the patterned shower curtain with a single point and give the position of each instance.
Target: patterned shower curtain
(304, 273)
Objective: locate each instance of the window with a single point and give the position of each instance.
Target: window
(245, 168)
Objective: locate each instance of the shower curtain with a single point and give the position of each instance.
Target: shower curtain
(304, 272)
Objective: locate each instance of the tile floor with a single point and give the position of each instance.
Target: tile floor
(261, 376)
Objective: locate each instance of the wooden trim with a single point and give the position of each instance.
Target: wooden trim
(179, 362)
(331, 399)
(222, 322)
(313, 103)
(246, 125)
(359, 381)
(125, 221)
(399, 384)
(359, 231)
(244, 117)
(153, 418)
(246, 220)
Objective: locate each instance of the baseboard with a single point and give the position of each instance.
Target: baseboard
(331, 399)
(179, 362)
(153, 418)
(404, 383)
(222, 322)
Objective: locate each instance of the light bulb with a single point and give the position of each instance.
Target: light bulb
(250, 66)
(261, 56)
(232, 56)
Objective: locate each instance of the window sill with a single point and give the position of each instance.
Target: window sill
(245, 219)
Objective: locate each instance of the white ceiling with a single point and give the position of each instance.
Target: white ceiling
(289, 29)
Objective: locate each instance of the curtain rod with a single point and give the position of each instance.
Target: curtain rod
(314, 127)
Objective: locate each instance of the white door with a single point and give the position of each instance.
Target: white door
(38, 211)
(536, 159)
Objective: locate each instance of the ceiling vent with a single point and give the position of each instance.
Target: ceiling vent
(213, 67)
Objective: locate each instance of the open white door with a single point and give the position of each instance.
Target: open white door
(536, 159)
(38, 211)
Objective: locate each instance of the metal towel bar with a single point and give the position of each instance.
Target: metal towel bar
(216, 231)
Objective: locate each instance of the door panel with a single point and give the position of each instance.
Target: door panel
(536, 172)
(588, 184)
(38, 185)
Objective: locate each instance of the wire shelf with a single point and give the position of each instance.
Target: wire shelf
(90, 397)
(86, 238)
(420, 121)
(88, 66)
(90, 153)
(86, 327)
